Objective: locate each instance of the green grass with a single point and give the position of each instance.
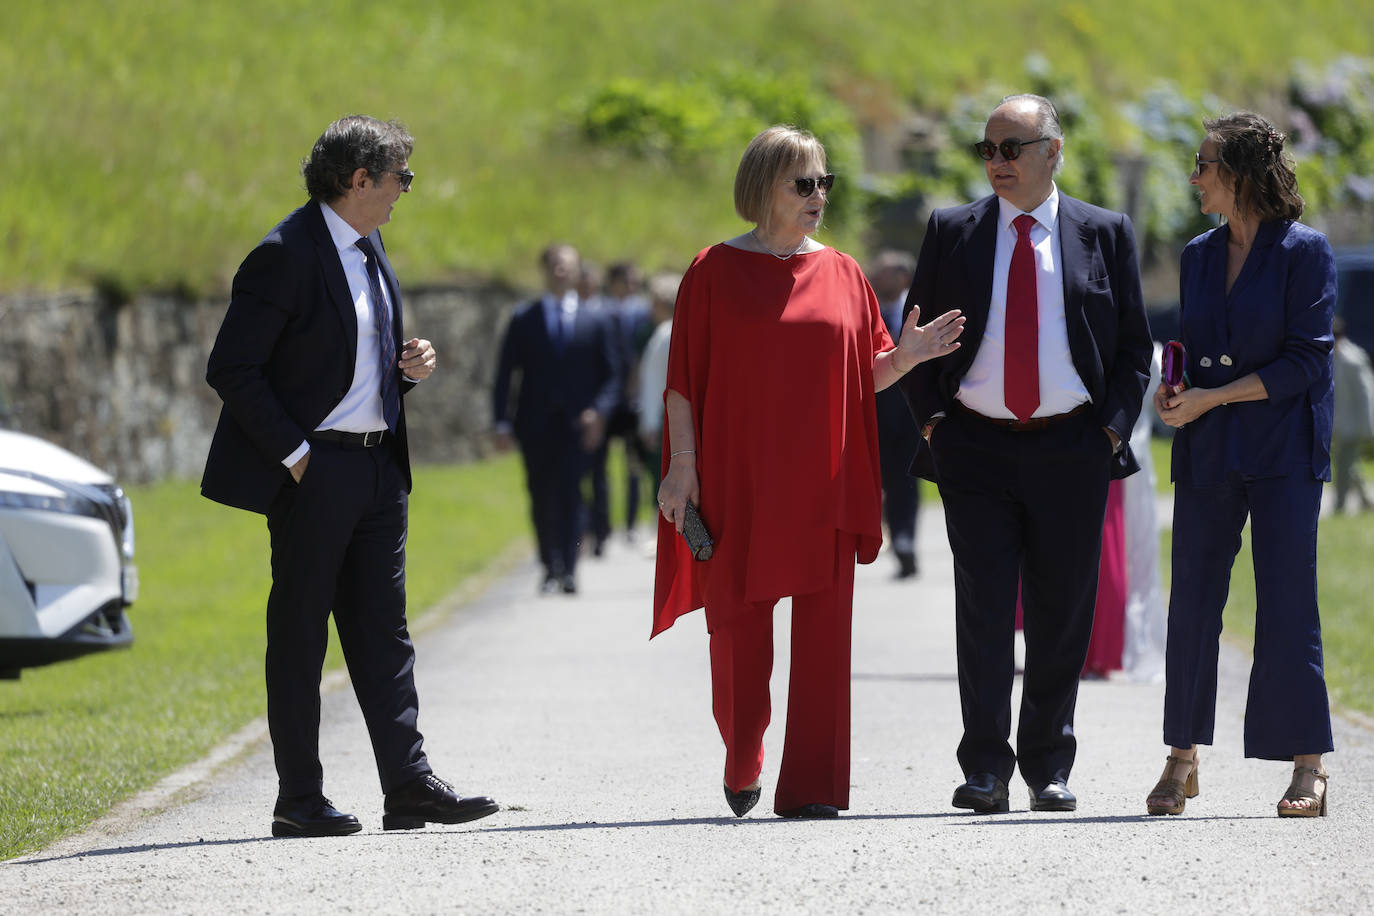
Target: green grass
(152, 143)
(82, 735)
(1345, 580)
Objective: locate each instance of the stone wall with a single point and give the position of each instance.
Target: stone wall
(123, 384)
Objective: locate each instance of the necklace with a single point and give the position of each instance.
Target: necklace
(780, 257)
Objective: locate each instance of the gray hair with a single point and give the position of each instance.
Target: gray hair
(1048, 124)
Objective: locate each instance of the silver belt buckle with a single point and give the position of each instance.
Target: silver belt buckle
(369, 440)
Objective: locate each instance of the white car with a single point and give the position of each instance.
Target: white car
(66, 556)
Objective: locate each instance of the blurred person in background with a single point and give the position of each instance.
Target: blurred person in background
(1252, 441)
(1353, 424)
(1143, 649)
(561, 357)
(777, 349)
(628, 313)
(898, 435)
(653, 368)
(312, 366)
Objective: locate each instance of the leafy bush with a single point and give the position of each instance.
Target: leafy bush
(712, 117)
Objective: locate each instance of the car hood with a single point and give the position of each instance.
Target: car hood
(31, 455)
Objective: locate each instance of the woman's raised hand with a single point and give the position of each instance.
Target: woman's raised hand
(919, 343)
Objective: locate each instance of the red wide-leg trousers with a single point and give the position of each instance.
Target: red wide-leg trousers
(815, 756)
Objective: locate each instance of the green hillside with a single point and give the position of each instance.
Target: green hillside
(151, 143)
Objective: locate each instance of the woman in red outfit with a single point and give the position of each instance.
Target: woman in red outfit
(778, 346)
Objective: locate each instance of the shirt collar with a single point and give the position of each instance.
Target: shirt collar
(567, 302)
(1046, 214)
(343, 234)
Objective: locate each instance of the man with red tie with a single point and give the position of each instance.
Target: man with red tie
(1022, 428)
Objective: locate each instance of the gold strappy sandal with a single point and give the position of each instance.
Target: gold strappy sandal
(1304, 788)
(1178, 791)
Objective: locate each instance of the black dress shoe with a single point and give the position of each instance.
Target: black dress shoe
(811, 812)
(744, 800)
(430, 799)
(569, 585)
(906, 565)
(983, 793)
(1054, 796)
(311, 815)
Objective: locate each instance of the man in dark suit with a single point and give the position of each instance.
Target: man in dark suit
(898, 435)
(311, 364)
(569, 382)
(1023, 427)
(627, 312)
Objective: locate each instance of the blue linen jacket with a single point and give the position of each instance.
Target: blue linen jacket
(1275, 322)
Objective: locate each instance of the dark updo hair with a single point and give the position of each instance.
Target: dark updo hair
(1251, 150)
(352, 143)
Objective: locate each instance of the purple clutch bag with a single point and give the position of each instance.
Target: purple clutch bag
(1172, 364)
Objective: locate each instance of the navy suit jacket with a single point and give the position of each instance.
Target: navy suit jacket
(1109, 336)
(896, 429)
(556, 384)
(1276, 322)
(284, 358)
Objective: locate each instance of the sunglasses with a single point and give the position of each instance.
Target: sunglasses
(1201, 164)
(1010, 149)
(405, 176)
(807, 186)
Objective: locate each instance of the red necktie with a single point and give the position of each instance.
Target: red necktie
(1021, 366)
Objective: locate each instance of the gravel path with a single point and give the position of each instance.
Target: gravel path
(601, 748)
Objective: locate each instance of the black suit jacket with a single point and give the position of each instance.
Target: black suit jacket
(1109, 337)
(555, 385)
(284, 358)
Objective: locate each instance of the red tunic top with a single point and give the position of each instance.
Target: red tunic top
(776, 359)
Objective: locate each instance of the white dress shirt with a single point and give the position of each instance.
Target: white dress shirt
(1061, 389)
(360, 411)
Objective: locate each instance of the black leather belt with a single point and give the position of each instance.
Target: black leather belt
(349, 440)
(1023, 426)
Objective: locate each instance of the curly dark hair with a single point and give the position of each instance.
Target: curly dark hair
(352, 143)
(1251, 153)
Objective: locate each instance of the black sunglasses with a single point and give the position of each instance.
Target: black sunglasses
(1201, 164)
(405, 176)
(807, 186)
(1010, 149)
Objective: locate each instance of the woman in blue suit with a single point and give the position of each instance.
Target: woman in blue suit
(1253, 439)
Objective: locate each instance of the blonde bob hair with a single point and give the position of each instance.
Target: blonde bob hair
(766, 157)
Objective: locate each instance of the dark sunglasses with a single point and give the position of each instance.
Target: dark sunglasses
(807, 186)
(1201, 164)
(1010, 149)
(405, 176)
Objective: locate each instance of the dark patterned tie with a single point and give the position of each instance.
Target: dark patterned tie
(1021, 358)
(386, 338)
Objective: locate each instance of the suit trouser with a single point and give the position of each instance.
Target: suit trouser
(623, 425)
(901, 492)
(338, 544)
(554, 467)
(1286, 712)
(1028, 507)
(815, 756)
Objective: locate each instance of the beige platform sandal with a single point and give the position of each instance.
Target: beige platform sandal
(1304, 787)
(1178, 791)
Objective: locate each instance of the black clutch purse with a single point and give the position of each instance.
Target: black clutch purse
(695, 533)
